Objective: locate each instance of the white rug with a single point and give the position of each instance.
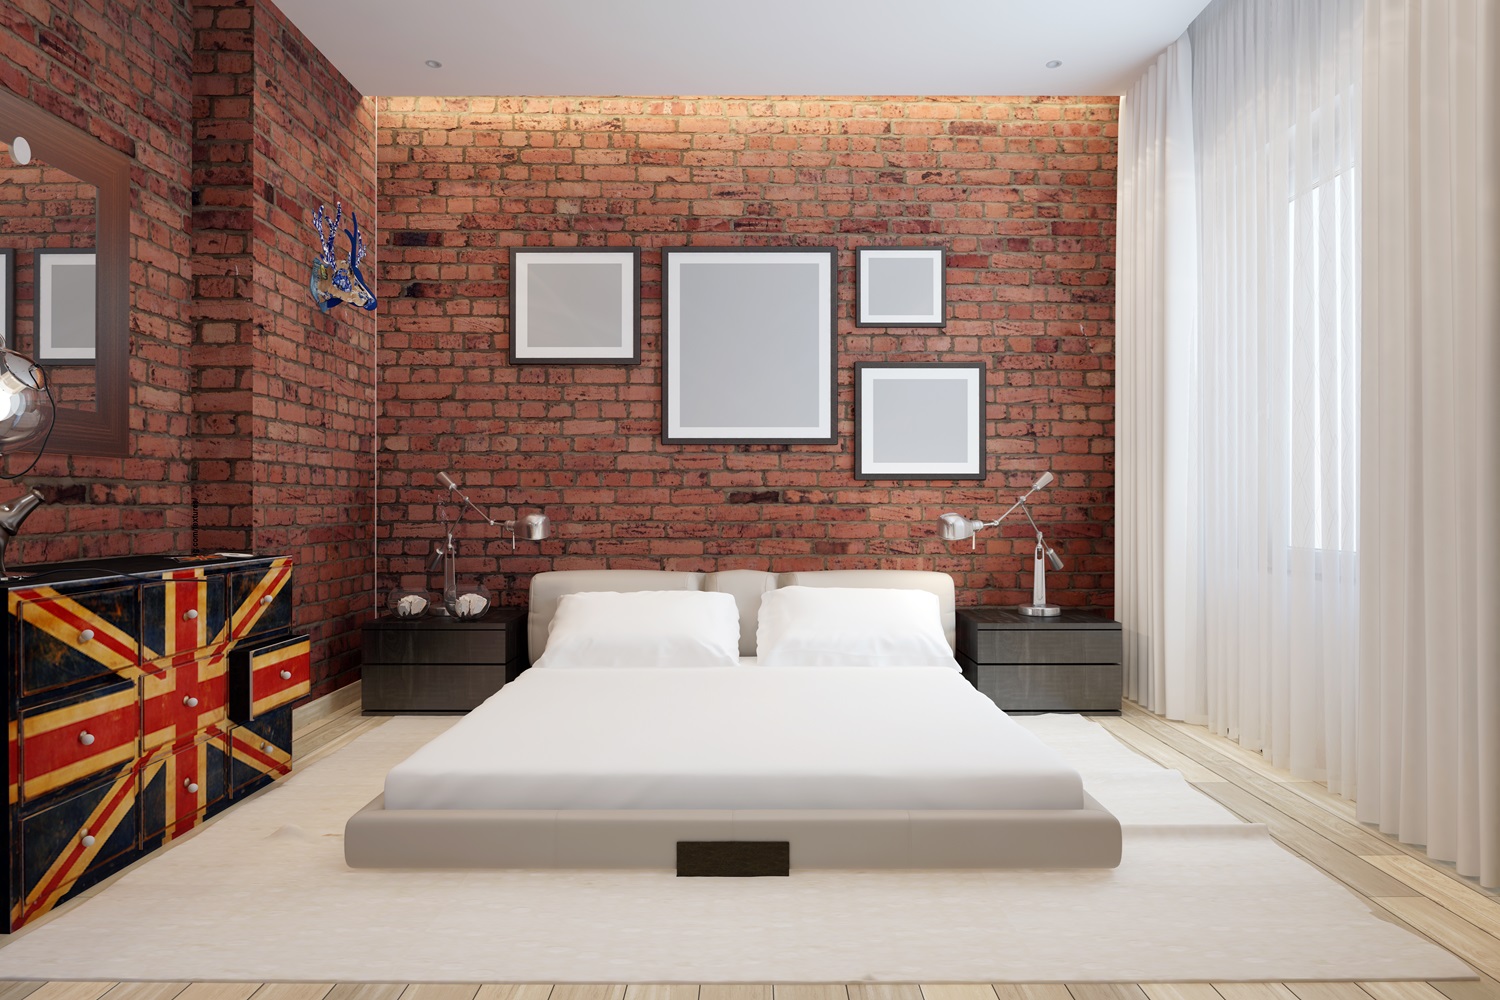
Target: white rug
(263, 894)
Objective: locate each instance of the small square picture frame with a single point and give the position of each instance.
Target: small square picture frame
(65, 321)
(901, 286)
(575, 306)
(917, 420)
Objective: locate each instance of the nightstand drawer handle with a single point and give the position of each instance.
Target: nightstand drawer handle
(266, 599)
(190, 785)
(86, 738)
(88, 839)
(190, 701)
(190, 614)
(86, 635)
(286, 675)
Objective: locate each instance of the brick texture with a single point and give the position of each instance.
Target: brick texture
(1020, 190)
(121, 71)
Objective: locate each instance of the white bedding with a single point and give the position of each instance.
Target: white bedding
(736, 738)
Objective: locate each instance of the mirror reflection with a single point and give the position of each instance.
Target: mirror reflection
(49, 233)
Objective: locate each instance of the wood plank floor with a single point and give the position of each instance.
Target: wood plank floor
(1396, 880)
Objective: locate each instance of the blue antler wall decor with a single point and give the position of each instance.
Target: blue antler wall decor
(333, 282)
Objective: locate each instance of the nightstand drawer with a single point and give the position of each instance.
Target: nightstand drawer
(1054, 645)
(477, 643)
(1039, 687)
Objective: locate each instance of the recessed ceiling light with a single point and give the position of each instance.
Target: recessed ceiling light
(1054, 63)
(434, 64)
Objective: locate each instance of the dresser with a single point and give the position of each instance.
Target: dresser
(440, 664)
(142, 696)
(1067, 663)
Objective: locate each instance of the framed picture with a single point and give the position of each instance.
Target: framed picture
(575, 305)
(901, 286)
(7, 299)
(919, 421)
(749, 345)
(65, 315)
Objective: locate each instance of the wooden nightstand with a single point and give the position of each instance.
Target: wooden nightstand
(438, 664)
(1070, 663)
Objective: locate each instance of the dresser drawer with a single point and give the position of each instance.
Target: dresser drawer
(260, 752)
(1051, 645)
(70, 843)
(266, 677)
(179, 786)
(65, 640)
(178, 701)
(71, 740)
(260, 599)
(181, 615)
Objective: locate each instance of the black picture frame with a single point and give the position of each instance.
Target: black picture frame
(889, 284)
(567, 309)
(919, 420)
(749, 345)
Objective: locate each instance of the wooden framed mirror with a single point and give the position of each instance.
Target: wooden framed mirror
(44, 206)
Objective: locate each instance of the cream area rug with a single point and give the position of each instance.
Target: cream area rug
(263, 894)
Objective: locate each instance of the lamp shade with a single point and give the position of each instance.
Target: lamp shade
(535, 527)
(25, 408)
(955, 527)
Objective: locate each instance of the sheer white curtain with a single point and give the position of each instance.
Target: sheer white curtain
(1429, 721)
(1157, 574)
(1264, 553)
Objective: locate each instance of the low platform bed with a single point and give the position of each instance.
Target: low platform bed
(850, 767)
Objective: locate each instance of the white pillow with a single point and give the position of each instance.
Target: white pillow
(851, 627)
(649, 628)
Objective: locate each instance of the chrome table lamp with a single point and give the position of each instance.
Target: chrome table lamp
(956, 527)
(474, 601)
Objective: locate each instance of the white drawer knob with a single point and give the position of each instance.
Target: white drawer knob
(265, 748)
(88, 839)
(190, 785)
(286, 675)
(190, 614)
(86, 635)
(266, 599)
(86, 738)
(190, 701)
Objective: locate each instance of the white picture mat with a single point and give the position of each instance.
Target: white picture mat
(942, 431)
(522, 321)
(870, 285)
(65, 306)
(756, 370)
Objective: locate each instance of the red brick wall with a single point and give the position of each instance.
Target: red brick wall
(119, 69)
(284, 416)
(1021, 191)
(313, 405)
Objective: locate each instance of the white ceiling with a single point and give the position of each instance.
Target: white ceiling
(714, 47)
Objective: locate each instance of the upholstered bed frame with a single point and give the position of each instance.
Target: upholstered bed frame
(376, 837)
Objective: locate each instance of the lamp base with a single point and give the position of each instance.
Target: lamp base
(1040, 610)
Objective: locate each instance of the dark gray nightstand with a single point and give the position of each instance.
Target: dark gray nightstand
(437, 664)
(1070, 663)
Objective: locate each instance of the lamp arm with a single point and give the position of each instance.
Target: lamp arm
(1027, 511)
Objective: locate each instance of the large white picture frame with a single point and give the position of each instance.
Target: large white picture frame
(919, 420)
(575, 305)
(749, 345)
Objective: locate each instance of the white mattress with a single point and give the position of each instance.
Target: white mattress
(736, 738)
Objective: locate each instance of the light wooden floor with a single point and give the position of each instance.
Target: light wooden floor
(1426, 896)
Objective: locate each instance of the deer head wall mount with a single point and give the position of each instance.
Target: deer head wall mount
(334, 282)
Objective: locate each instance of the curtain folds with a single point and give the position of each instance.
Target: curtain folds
(1429, 697)
(1156, 321)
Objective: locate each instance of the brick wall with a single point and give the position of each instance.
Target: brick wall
(284, 416)
(1020, 190)
(120, 70)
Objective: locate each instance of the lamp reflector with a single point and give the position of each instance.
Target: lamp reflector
(956, 527)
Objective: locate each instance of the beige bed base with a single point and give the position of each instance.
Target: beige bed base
(376, 837)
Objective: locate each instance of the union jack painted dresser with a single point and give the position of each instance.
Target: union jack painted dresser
(142, 696)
